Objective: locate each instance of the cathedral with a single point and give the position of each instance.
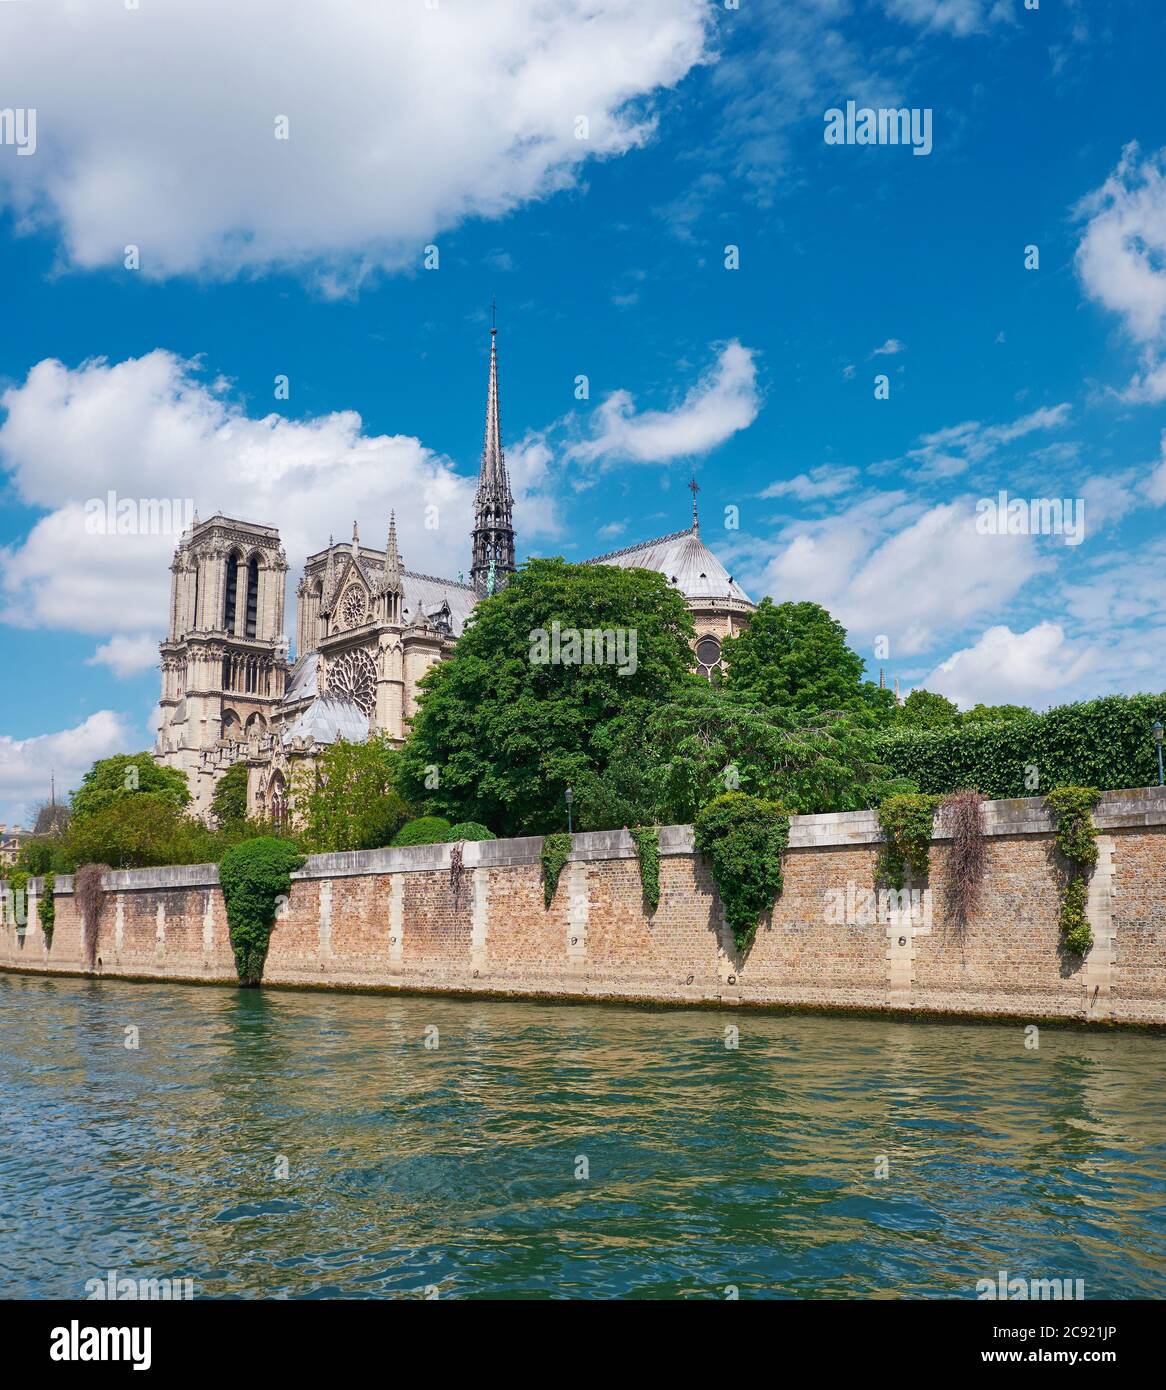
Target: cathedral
(367, 630)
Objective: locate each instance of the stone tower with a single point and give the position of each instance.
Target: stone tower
(493, 534)
(224, 662)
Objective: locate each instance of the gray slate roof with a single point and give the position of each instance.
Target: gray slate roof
(684, 560)
(326, 720)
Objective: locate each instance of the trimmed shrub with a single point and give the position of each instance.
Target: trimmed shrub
(743, 838)
(1102, 743)
(253, 876)
(555, 852)
(425, 830)
(469, 830)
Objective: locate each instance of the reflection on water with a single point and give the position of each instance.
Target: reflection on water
(456, 1166)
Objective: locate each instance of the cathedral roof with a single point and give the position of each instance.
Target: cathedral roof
(685, 561)
(327, 720)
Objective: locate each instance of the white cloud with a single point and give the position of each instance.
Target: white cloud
(1121, 260)
(891, 348)
(126, 656)
(1156, 487)
(826, 480)
(25, 764)
(958, 17)
(158, 129)
(152, 426)
(1034, 668)
(886, 566)
(948, 452)
(1119, 257)
(723, 402)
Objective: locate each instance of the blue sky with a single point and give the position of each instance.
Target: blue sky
(458, 127)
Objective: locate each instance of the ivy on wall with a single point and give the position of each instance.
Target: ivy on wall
(47, 908)
(743, 838)
(1072, 811)
(906, 823)
(1102, 743)
(647, 838)
(253, 876)
(556, 851)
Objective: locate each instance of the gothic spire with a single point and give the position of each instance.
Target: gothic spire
(493, 534)
(329, 575)
(393, 562)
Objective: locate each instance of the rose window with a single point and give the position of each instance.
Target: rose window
(353, 677)
(352, 606)
(708, 657)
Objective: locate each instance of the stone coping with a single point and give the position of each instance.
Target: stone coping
(1117, 810)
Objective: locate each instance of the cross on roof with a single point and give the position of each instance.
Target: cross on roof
(694, 488)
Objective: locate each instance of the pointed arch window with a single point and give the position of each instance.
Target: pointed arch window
(252, 595)
(232, 594)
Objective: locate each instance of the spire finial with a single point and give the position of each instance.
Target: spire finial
(694, 488)
(493, 535)
(355, 539)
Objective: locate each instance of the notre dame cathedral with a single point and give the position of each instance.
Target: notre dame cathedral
(367, 630)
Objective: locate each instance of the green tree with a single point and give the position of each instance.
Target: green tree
(349, 800)
(664, 767)
(229, 802)
(128, 774)
(923, 709)
(995, 714)
(503, 727)
(794, 657)
(253, 876)
(135, 832)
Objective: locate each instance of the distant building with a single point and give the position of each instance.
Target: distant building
(367, 630)
(11, 841)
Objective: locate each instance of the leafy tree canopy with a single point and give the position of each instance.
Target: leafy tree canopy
(128, 774)
(229, 802)
(502, 730)
(349, 800)
(995, 714)
(794, 657)
(923, 709)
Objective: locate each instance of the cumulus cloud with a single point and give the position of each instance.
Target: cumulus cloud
(386, 148)
(25, 763)
(886, 567)
(1035, 667)
(126, 656)
(1120, 260)
(891, 348)
(150, 427)
(724, 401)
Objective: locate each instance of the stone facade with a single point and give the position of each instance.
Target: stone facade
(396, 919)
(367, 630)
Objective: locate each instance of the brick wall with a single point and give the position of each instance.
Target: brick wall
(396, 919)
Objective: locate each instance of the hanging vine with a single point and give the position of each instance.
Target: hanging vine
(89, 895)
(906, 822)
(963, 817)
(647, 838)
(1076, 842)
(46, 910)
(556, 851)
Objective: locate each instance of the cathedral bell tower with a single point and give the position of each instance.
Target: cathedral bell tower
(493, 533)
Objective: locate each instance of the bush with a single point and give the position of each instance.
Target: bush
(253, 875)
(469, 830)
(426, 830)
(1102, 743)
(744, 838)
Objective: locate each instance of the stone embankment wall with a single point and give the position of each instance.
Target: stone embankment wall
(396, 919)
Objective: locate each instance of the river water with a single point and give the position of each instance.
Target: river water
(563, 1151)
